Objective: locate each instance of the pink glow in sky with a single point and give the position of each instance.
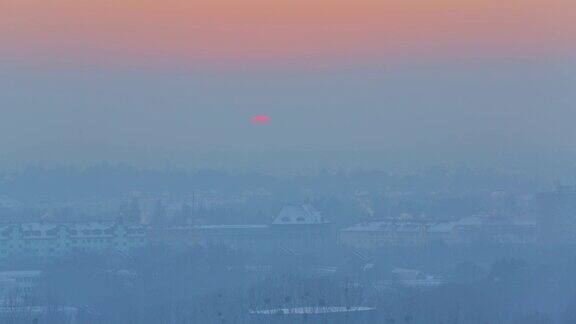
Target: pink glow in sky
(271, 31)
(260, 119)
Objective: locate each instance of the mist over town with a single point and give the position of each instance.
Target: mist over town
(287, 161)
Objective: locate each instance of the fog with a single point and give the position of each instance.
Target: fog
(397, 193)
(453, 112)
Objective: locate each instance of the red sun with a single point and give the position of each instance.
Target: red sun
(260, 119)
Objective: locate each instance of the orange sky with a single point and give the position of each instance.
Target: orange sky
(283, 29)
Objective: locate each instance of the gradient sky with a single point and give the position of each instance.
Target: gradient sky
(418, 76)
(191, 31)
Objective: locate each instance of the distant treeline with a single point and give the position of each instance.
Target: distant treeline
(107, 180)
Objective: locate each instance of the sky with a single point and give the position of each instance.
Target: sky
(200, 31)
(414, 76)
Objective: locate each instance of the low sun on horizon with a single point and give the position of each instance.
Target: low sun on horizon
(260, 119)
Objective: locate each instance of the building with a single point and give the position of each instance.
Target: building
(301, 227)
(177, 237)
(497, 230)
(466, 230)
(409, 278)
(16, 286)
(294, 228)
(38, 314)
(315, 314)
(383, 233)
(234, 236)
(51, 240)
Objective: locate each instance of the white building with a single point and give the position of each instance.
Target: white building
(49, 240)
(469, 229)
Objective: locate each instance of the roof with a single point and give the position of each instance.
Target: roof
(470, 221)
(312, 310)
(386, 226)
(9, 203)
(40, 230)
(19, 273)
(35, 310)
(442, 227)
(208, 227)
(447, 227)
(299, 214)
(406, 272)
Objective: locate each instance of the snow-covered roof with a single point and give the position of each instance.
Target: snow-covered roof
(300, 214)
(312, 310)
(39, 230)
(19, 273)
(249, 226)
(470, 221)
(402, 272)
(524, 222)
(442, 227)
(386, 226)
(42, 227)
(36, 310)
(9, 203)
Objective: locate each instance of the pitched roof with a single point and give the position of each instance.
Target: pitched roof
(299, 214)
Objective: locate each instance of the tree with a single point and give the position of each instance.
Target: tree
(159, 215)
(134, 212)
(185, 216)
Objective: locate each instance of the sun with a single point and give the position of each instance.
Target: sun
(260, 119)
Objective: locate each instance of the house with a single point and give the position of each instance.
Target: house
(301, 227)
